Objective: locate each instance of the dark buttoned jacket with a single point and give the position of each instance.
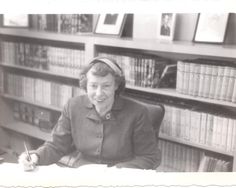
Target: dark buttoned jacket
(124, 137)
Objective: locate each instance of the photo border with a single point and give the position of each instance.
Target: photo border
(199, 26)
(172, 27)
(19, 24)
(114, 30)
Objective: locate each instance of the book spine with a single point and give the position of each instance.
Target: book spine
(213, 81)
(180, 75)
(196, 79)
(219, 81)
(233, 99)
(232, 78)
(224, 133)
(201, 80)
(229, 135)
(207, 81)
(191, 78)
(186, 78)
(225, 83)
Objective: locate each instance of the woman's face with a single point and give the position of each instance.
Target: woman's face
(101, 91)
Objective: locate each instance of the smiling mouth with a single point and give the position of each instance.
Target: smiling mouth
(100, 100)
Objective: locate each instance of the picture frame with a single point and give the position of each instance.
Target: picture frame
(16, 20)
(110, 24)
(166, 27)
(211, 28)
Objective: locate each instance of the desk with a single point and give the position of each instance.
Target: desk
(100, 175)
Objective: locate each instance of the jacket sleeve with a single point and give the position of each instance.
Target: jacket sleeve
(51, 151)
(146, 152)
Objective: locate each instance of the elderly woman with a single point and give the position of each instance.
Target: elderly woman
(102, 127)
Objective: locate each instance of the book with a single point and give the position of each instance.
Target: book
(225, 83)
(231, 81)
(180, 76)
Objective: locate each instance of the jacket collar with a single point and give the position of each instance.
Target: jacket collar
(92, 114)
(118, 103)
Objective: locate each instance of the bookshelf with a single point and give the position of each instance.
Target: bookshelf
(27, 129)
(178, 50)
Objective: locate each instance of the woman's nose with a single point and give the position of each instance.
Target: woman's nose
(99, 91)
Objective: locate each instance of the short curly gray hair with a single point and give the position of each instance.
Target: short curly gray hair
(102, 66)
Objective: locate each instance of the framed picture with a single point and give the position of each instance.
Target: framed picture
(167, 26)
(211, 28)
(15, 20)
(110, 24)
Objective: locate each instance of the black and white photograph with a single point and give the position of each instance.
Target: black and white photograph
(110, 24)
(15, 20)
(167, 26)
(211, 27)
(83, 106)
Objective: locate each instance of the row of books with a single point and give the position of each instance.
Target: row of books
(54, 59)
(201, 79)
(36, 116)
(62, 23)
(145, 70)
(200, 127)
(39, 90)
(179, 158)
(212, 164)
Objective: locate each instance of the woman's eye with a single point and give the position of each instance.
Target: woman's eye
(106, 86)
(93, 86)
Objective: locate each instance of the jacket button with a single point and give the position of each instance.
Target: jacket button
(99, 136)
(108, 116)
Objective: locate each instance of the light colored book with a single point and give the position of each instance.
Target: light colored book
(219, 82)
(203, 128)
(233, 99)
(180, 76)
(224, 133)
(225, 83)
(196, 78)
(214, 75)
(201, 80)
(232, 80)
(207, 81)
(230, 135)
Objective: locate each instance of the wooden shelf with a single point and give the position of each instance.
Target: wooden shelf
(27, 129)
(50, 107)
(180, 47)
(173, 93)
(38, 71)
(45, 35)
(184, 142)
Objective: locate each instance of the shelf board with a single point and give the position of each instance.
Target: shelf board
(208, 148)
(28, 129)
(50, 107)
(180, 47)
(174, 93)
(45, 35)
(7, 65)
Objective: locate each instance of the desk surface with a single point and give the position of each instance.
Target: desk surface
(100, 175)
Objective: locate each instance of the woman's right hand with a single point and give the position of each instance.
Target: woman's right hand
(28, 165)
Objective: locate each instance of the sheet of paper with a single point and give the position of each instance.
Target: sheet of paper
(100, 175)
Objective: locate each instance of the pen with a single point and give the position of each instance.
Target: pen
(27, 152)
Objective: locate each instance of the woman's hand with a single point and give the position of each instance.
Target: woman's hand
(28, 164)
